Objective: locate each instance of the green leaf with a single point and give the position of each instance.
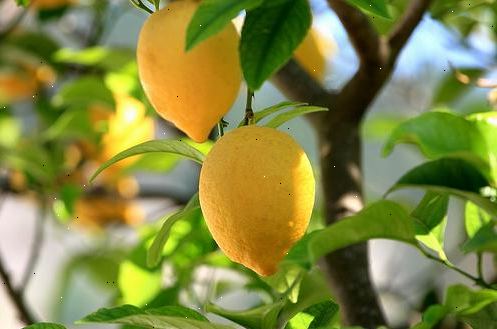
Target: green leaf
(486, 123)
(461, 300)
(165, 146)
(486, 318)
(84, 92)
(474, 218)
(212, 16)
(155, 251)
(292, 114)
(167, 317)
(270, 35)
(452, 176)
(313, 289)
(376, 7)
(263, 317)
(381, 220)
(442, 134)
(23, 3)
(259, 115)
(45, 325)
(485, 239)
(111, 59)
(431, 317)
(430, 221)
(320, 315)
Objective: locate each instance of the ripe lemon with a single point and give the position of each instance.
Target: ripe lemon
(256, 193)
(192, 89)
(16, 86)
(312, 53)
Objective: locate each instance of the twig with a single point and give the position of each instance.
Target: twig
(479, 266)
(478, 281)
(249, 113)
(35, 247)
(361, 32)
(406, 25)
(140, 5)
(25, 314)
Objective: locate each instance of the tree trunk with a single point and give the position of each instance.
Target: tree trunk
(348, 268)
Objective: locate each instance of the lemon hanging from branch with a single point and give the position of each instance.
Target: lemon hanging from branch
(257, 194)
(192, 89)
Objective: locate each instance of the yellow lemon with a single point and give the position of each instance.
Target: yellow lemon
(192, 89)
(257, 194)
(16, 86)
(94, 212)
(312, 53)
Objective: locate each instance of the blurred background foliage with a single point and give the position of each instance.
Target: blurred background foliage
(70, 99)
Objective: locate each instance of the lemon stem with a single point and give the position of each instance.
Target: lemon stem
(140, 5)
(249, 113)
(220, 127)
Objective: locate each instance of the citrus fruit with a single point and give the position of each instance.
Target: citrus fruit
(257, 194)
(312, 53)
(192, 89)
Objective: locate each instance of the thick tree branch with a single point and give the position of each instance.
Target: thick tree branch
(297, 84)
(361, 32)
(406, 25)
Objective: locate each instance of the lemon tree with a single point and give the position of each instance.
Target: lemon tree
(292, 232)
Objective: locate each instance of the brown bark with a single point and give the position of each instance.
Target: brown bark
(340, 145)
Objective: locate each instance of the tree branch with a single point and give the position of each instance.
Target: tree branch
(25, 314)
(361, 32)
(406, 25)
(35, 247)
(297, 84)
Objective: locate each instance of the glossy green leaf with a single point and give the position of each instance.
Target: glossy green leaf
(485, 239)
(169, 146)
(212, 16)
(320, 315)
(375, 7)
(442, 134)
(263, 317)
(430, 221)
(449, 175)
(380, 220)
(292, 114)
(45, 325)
(486, 123)
(167, 317)
(313, 289)
(474, 218)
(270, 35)
(155, 251)
(259, 115)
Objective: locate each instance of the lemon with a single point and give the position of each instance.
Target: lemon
(313, 52)
(192, 89)
(257, 194)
